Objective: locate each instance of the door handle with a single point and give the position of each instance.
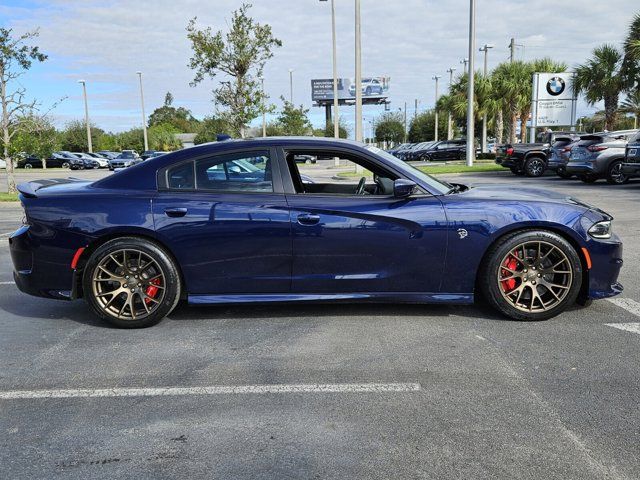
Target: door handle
(308, 219)
(175, 212)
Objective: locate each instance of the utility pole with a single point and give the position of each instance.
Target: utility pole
(471, 147)
(485, 49)
(464, 62)
(415, 109)
(435, 109)
(449, 126)
(144, 118)
(291, 86)
(405, 122)
(358, 75)
(512, 47)
(86, 114)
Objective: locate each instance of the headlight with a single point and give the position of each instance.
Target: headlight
(601, 229)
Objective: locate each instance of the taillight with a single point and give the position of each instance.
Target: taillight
(509, 151)
(566, 149)
(596, 148)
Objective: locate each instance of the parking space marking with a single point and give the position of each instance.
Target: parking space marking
(629, 305)
(628, 327)
(7, 283)
(213, 390)
(8, 234)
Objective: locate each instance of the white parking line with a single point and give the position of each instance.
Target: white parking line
(213, 390)
(629, 305)
(8, 234)
(7, 283)
(628, 327)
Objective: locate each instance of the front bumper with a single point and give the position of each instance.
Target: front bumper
(606, 262)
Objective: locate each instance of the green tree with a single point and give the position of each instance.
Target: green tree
(16, 57)
(631, 104)
(210, 128)
(163, 137)
(390, 128)
(240, 55)
(422, 128)
(41, 142)
(131, 140)
(179, 118)
(601, 78)
(293, 121)
(631, 61)
(328, 131)
(511, 85)
(74, 136)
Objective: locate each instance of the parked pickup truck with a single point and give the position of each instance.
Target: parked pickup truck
(530, 159)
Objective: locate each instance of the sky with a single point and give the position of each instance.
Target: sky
(106, 42)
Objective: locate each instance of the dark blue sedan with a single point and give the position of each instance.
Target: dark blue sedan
(235, 221)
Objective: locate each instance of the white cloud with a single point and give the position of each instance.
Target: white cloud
(106, 42)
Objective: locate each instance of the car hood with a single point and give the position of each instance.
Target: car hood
(522, 194)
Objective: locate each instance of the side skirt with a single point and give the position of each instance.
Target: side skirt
(454, 298)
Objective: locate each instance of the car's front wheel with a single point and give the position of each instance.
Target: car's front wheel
(28, 165)
(131, 282)
(531, 275)
(65, 165)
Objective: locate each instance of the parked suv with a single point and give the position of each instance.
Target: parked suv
(559, 155)
(370, 86)
(631, 164)
(600, 156)
(126, 159)
(445, 150)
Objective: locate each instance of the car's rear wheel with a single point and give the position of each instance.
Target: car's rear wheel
(534, 167)
(531, 275)
(131, 283)
(28, 165)
(615, 175)
(65, 165)
(588, 178)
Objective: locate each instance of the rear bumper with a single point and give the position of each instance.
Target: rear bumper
(508, 162)
(578, 168)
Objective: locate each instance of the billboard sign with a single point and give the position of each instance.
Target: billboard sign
(372, 87)
(553, 102)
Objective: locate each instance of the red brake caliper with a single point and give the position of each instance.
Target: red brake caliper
(512, 264)
(152, 291)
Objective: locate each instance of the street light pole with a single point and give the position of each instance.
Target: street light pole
(291, 86)
(449, 126)
(358, 75)
(86, 114)
(471, 148)
(435, 109)
(485, 49)
(464, 62)
(264, 113)
(144, 118)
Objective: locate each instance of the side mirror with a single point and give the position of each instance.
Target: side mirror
(403, 188)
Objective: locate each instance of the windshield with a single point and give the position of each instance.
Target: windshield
(440, 187)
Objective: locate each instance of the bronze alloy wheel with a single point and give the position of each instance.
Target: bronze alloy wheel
(535, 276)
(128, 284)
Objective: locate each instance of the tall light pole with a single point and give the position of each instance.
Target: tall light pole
(264, 112)
(464, 62)
(144, 118)
(358, 75)
(471, 147)
(336, 114)
(485, 49)
(86, 114)
(435, 109)
(449, 126)
(291, 86)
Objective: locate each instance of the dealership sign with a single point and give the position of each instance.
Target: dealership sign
(553, 100)
(372, 87)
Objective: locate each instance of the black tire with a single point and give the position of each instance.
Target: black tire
(615, 175)
(367, 91)
(516, 171)
(165, 265)
(65, 165)
(490, 286)
(588, 178)
(534, 166)
(562, 173)
(28, 165)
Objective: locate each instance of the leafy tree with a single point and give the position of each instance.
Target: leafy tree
(163, 137)
(131, 140)
(631, 61)
(390, 128)
(240, 55)
(16, 57)
(179, 118)
(631, 104)
(210, 128)
(601, 78)
(294, 121)
(274, 129)
(511, 84)
(41, 142)
(74, 136)
(328, 131)
(423, 126)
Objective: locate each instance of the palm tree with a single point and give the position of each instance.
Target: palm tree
(631, 104)
(601, 78)
(631, 62)
(511, 87)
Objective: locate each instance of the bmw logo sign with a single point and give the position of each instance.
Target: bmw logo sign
(555, 86)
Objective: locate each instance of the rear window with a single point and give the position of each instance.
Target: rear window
(562, 142)
(587, 140)
(635, 139)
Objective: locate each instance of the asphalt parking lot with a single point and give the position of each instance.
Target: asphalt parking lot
(327, 391)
